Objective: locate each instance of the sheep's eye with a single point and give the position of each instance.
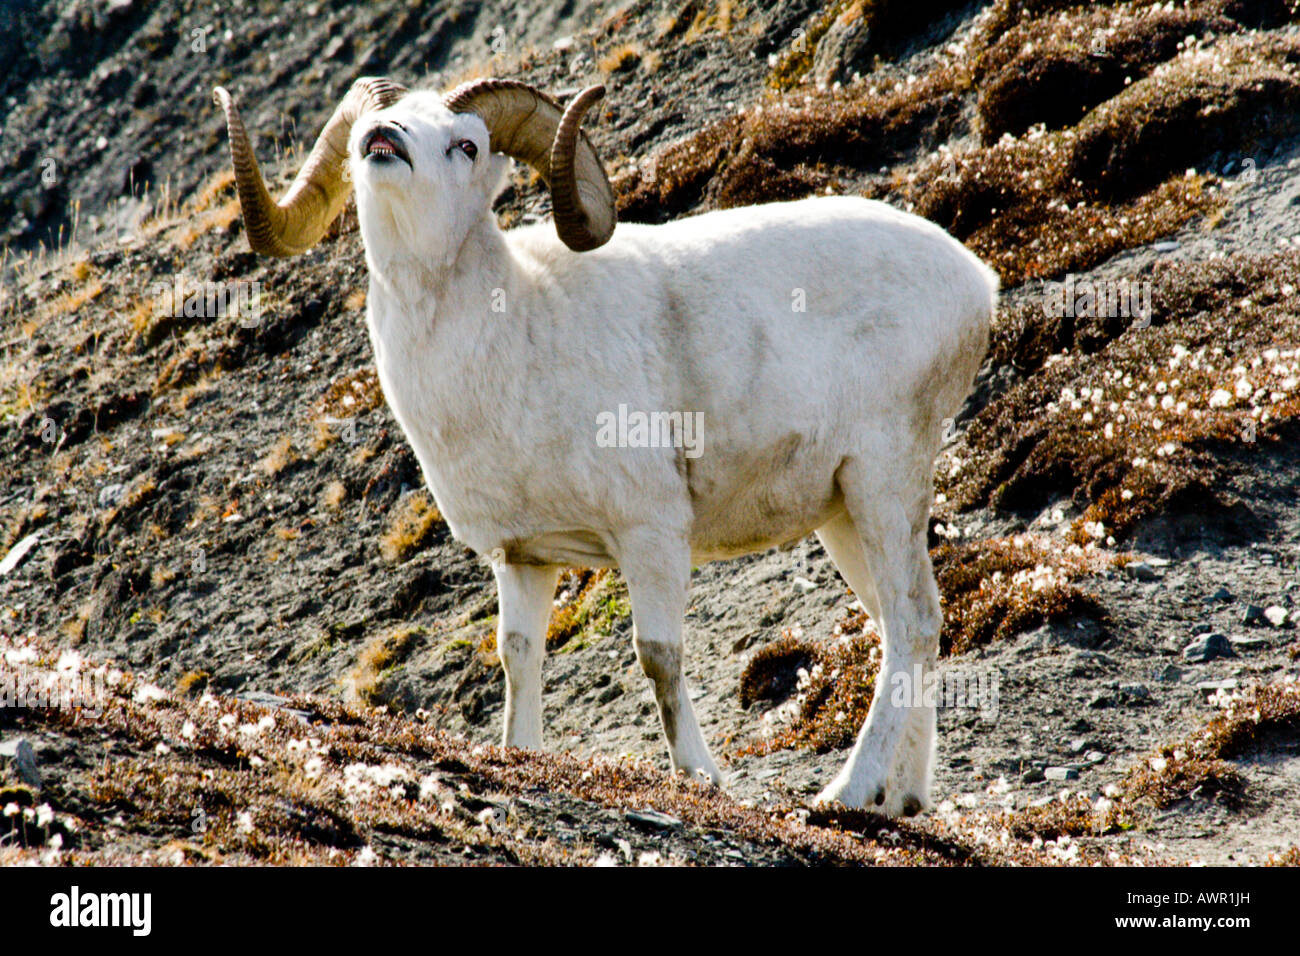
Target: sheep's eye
(467, 147)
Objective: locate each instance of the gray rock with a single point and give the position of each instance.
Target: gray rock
(1142, 571)
(110, 496)
(1207, 648)
(1169, 673)
(1061, 773)
(1253, 614)
(19, 752)
(1275, 615)
(651, 819)
(1137, 693)
(803, 585)
(1222, 594)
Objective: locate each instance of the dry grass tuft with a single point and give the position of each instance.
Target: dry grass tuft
(411, 529)
(352, 394)
(367, 681)
(622, 59)
(280, 457)
(588, 601)
(334, 495)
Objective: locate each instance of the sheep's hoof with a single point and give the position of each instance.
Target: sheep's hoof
(709, 776)
(912, 805)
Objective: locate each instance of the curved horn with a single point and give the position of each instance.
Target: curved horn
(527, 125)
(319, 191)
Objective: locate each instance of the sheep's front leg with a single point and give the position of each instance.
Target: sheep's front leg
(524, 594)
(658, 576)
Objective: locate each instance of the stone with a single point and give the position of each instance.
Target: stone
(1207, 648)
(20, 753)
(651, 819)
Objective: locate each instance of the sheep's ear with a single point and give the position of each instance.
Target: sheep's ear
(526, 124)
(497, 174)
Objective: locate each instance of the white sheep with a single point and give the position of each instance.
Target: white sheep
(819, 345)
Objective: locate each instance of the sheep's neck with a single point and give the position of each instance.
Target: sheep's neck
(443, 336)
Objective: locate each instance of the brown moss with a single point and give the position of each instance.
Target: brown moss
(1198, 766)
(772, 673)
(788, 147)
(1052, 69)
(1130, 420)
(834, 693)
(994, 589)
(1165, 780)
(1238, 96)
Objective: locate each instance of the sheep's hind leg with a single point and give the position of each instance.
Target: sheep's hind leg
(525, 594)
(658, 576)
(880, 549)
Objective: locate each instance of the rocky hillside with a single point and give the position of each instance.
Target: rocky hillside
(215, 529)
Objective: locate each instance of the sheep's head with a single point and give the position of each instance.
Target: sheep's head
(420, 154)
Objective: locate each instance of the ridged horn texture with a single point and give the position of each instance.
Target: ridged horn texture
(527, 125)
(319, 191)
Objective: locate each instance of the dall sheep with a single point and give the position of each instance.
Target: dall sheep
(823, 341)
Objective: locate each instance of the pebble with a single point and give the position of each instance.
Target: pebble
(1060, 773)
(1135, 691)
(111, 495)
(1251, 643)
(1253, 614)
(1142, 571)
(1211, 687)
(1275, 615)
(1169, 673)
(803, 585)
(1223, 594)
(652, 819)
(1208, 648)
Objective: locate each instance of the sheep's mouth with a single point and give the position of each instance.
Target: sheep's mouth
(383, 144)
